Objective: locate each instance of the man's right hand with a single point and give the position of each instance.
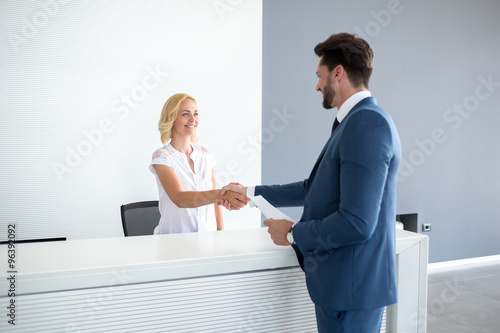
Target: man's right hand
(235, 187)
(233, 200)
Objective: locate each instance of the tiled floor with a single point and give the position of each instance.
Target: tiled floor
(464, 298)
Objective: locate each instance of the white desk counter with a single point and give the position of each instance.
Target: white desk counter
(234, 281)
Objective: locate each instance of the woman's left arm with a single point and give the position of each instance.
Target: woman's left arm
(217, 207)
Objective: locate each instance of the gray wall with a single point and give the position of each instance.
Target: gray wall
(432, 60)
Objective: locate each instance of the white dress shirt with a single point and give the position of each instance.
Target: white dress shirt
(174, 219)
(350, 103)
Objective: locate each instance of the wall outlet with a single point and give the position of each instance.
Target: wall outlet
(426, 227)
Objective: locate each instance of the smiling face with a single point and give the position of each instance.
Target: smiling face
(187, 121)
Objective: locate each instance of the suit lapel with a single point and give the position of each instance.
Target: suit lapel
(364, 101)
(318, 161)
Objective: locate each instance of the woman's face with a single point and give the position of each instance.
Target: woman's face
(187, 118)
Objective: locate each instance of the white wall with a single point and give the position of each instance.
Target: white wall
(83, 86)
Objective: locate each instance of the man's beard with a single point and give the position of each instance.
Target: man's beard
(328, 96)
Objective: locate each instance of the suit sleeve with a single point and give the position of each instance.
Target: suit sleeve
(365, 153)
(289, 195)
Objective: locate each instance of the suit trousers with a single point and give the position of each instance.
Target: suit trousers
(332, 321)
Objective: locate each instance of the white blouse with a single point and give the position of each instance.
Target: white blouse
(174, 219)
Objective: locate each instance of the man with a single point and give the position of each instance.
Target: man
(345, 240)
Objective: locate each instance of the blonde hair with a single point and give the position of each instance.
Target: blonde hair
(168, 115)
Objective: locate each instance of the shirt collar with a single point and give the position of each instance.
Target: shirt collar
(194, 153)
(350, 103)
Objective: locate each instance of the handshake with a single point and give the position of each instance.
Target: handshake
(233, 196)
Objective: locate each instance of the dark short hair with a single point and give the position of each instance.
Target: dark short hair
(350, 51)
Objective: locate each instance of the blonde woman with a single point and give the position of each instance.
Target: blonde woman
(188, 198)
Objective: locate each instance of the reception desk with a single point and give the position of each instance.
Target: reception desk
(229, 281)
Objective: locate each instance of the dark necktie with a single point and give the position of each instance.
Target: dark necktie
(335, 124)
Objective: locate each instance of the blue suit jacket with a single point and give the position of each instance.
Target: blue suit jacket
(345, 239)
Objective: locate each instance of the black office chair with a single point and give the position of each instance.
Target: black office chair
(140, 218)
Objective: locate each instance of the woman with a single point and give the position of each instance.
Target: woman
(185, 175)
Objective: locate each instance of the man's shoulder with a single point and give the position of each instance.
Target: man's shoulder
(368, 107)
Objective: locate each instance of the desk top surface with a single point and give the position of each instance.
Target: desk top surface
(80, 263)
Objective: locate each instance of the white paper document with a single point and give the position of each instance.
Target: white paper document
(268, 210)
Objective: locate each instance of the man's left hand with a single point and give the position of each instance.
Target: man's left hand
(278, 230)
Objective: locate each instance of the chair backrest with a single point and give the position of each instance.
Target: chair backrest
(140, 218)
